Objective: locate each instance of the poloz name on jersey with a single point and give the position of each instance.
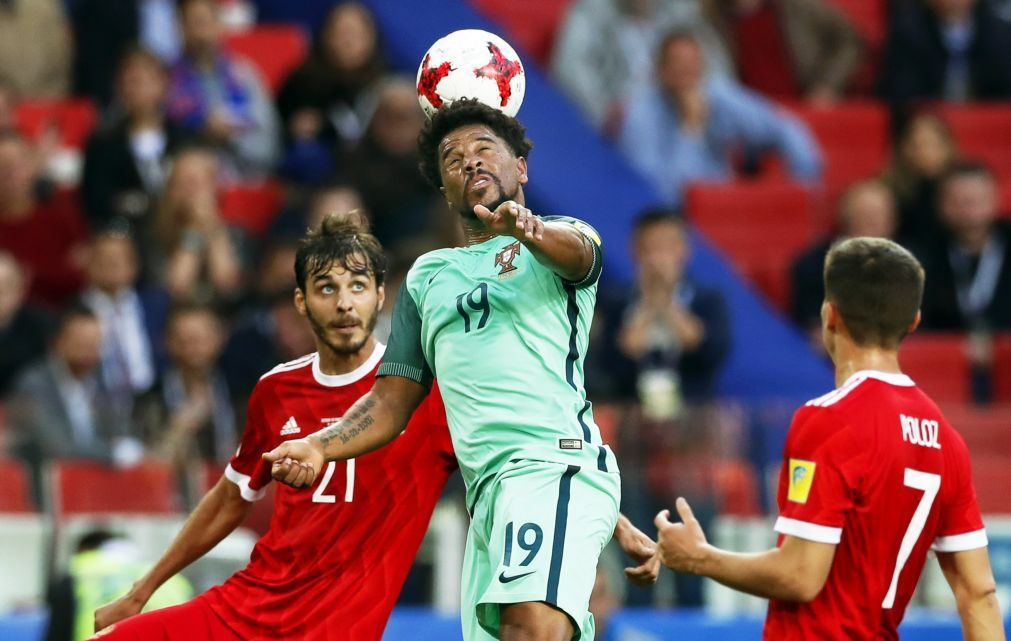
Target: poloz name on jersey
(920, 431)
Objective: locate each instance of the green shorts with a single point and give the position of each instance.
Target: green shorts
(535, 535)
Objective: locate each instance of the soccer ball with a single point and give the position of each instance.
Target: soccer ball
(471, 63)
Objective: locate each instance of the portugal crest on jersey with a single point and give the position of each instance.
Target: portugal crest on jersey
(505, 258)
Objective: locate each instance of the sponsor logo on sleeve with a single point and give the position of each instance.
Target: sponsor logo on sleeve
(801, 477)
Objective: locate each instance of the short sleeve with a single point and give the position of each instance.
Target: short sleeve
(404, 356)
(247, 469)
(815, 478)
(593, 236)
(961, 524)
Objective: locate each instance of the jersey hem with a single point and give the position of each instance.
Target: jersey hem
(960, 542)
(808, 531)
(242, 480)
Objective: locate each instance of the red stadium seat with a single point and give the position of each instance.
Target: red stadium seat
(854, 138)
(275, 50)
(252, 206)
(531, 24)
(16, 495)
(73, 119)
(760, 225)
(737, 488)
(1002, 368)
(986, 429)
(983, 132)
(992, 478)
(84, 487)
(939, 365)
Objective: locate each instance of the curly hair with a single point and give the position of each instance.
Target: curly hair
(343, 239)
(461, 113)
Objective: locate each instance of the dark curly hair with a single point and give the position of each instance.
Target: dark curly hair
(343, 239)
(461, 113)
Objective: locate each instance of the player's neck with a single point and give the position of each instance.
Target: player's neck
(475, 233)
(332, 363)
(850, 359)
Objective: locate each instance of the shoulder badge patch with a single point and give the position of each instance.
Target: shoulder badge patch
(801, 477)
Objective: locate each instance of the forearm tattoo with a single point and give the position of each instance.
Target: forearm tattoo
(353, 424)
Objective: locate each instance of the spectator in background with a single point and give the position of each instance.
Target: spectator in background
(35, 48)
(188, 416)
(867, 208)
(685, 128)
(105, 30)
(23, 328)
(383, 167)
(220, 97)
(606, 49)
(788, 48)
(125, 164)
(8, 101)
(271, 331)
(955, 50)
(968, 285)
(328, 100)
(923, 153)
(132, 320)
(672, 335)
(104, 564)
(60, 407)
(197, 256)
(47, 236)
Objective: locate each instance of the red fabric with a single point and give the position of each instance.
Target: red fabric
(763, 60)
(193, 621)
(331, 569)
(861, 484)
(45, 243)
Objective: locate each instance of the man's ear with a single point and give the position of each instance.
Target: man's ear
(381, 294)
(521, 170)
(916, 323)
(300, 301)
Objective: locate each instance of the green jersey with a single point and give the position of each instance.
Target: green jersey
(506, 338)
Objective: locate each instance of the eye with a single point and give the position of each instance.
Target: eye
(358, 286)
(327, 289)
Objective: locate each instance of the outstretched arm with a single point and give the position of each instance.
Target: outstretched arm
(795, 571)
(215, 517)
(971, 579)
(560, 246)
(373, 421)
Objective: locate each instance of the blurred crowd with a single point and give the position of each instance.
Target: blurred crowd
(137, 311)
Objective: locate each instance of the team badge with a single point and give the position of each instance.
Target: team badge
(505, 258)
(801, 477)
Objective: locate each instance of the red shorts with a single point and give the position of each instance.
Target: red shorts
(193, 621)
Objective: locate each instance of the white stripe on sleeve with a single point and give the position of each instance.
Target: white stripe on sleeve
(242, 481)
(808, 531)
(960, 542)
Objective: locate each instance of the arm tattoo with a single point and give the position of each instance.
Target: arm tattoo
(356, 422)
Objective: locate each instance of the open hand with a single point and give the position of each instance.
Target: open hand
(511, 219)
(682, 545)
(295, 463)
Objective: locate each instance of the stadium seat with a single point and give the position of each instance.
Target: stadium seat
(761, 225)
(73, 119)
(983, 132)
(275, 50)
(84, 487)
(531, 24)
(937, 363)
(16, 495)
(737, 487)
(848, 157)
(1002, 368)
(986, 429)
(992, 478)
(252, 206)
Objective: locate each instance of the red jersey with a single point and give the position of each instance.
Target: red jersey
(876, 469)
(337, 553)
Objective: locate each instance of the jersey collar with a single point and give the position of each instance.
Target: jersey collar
(338, 380)
(900, 380)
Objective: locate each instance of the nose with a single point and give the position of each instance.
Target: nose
(473, 164)
(344, 301)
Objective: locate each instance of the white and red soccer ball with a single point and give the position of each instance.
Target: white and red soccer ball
(471, 63)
